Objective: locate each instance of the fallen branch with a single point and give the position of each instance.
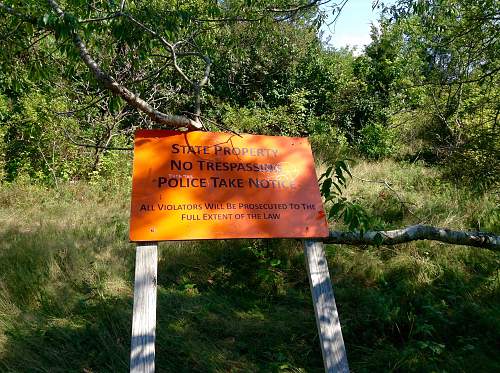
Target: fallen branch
(415, 233)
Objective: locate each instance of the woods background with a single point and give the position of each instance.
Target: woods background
(410, 126)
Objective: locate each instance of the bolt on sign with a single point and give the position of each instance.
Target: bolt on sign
(205, 185)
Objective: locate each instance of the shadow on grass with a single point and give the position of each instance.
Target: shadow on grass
(245, 306)
(93, 338)
(417, 314)
(218, 324)
(221, 310)
(56, 311)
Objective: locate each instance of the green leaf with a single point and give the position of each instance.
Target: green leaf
(115, 104)
(337, 187)
(336, 209)
(275, 262)
(343, 165)
(325, 187)
(326, 173)
(378, 239)
(28, 28)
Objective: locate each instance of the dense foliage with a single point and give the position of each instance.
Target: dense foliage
(425, 88)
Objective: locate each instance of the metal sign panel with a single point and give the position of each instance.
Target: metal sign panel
(205, 185)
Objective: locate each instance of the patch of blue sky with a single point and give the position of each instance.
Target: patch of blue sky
(352, 26)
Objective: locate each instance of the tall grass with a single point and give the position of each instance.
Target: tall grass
(408, 193)
(66, 278)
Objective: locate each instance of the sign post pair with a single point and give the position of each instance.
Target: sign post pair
(202, 185)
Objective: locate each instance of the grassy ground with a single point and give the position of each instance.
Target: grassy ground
(66, 274)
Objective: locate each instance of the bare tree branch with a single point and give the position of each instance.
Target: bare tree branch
(72, 112)
(337, 10)
(93, 146)
(229, 19)
(171, 47)
(100, 19)
(414, 233)
(280, 14)
(297, 8)
(132, 99)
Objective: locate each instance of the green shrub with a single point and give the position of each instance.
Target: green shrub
(377, 141)
(476, 161)
(282, 121)
(328, 144)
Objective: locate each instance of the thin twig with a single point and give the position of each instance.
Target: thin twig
(71, 112)
(100, 19)
(221, 126)
(48, 166)
(94, 146)
(388, 186)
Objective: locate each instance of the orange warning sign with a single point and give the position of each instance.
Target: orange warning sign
(205, 185)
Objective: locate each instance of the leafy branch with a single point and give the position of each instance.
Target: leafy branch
(333, 183)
